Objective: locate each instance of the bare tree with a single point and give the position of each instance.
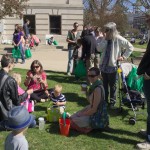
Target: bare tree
(12, 7)
(99, 12)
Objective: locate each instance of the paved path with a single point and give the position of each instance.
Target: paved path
(50, 57)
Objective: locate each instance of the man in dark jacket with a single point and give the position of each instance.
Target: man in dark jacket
(9, 91)
(144, 69)
(89, 49)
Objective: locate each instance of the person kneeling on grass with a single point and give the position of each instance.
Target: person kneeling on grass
(18, 121)
(83, 120)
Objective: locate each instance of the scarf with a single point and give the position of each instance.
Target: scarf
(94, 85)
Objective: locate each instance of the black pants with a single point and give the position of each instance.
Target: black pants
(110, 81)
(38, 95)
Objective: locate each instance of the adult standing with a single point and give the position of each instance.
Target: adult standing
(26, 29)
(9, 92)
(112, 47)
(72, 37)
(88, 50)
(144, 69)
(98, 37)
(17, 41)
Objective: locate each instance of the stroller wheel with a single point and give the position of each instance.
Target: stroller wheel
(143, 105)
(121, 109)
(132, 120)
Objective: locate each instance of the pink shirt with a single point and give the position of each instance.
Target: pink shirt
(21, 91)
(34, 84)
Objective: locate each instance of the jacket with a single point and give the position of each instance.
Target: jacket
(144, 65)
(9, 95)
(116, 49)
(89, 46)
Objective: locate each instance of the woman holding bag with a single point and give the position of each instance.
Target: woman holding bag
(17, 41)
(85, 120)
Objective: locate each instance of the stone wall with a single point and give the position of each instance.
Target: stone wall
(70, 11)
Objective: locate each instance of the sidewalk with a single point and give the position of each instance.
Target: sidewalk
(50, 57)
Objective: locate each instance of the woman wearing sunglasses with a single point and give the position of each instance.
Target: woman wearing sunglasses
(36, 79)
(83, 120)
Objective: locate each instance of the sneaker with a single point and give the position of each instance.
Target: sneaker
(22, 62)
(43, 100)
(143, 132)
(143, 146)
(69, 74)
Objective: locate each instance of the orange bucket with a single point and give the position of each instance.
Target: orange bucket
(64, 125)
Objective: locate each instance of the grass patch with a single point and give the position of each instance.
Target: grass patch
(122, 135)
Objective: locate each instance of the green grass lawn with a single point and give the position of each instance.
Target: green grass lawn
(122, 135)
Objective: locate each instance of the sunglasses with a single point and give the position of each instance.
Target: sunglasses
(36, 67)
(92, 76)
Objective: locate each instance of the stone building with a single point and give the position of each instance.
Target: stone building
(47, 17)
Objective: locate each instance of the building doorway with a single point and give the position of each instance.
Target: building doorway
(32, 28)
(55, 24)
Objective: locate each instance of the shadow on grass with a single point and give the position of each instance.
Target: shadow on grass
(53, 128)
(40, 108)
(74, 97)
(112, 134)
(61, 77)
(116, 135)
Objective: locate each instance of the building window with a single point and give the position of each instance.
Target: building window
(32, 28)
(55, 24)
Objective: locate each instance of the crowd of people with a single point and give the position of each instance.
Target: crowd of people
(101, 52)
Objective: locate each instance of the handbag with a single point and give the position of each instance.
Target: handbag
(80, 70)
(28, 53)
(100, 119)
(53, 114)
(16, 52)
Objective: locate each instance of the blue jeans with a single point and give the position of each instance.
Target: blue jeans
(70, 61)
(110, 81)
(21, 52)
(146, 90)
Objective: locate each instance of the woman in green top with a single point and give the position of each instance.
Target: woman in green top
(81, 120)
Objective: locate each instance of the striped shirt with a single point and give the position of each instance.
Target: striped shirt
(60, 98)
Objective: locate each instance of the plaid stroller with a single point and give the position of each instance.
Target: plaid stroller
(130, 89)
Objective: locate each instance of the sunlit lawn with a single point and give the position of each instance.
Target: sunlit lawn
(122, 135)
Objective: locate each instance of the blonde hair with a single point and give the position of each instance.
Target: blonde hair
(17, 77)
(58, 88)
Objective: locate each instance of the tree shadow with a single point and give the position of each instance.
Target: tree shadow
(40, 108)
(53, 128)
(63, 78)
(73, 97)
